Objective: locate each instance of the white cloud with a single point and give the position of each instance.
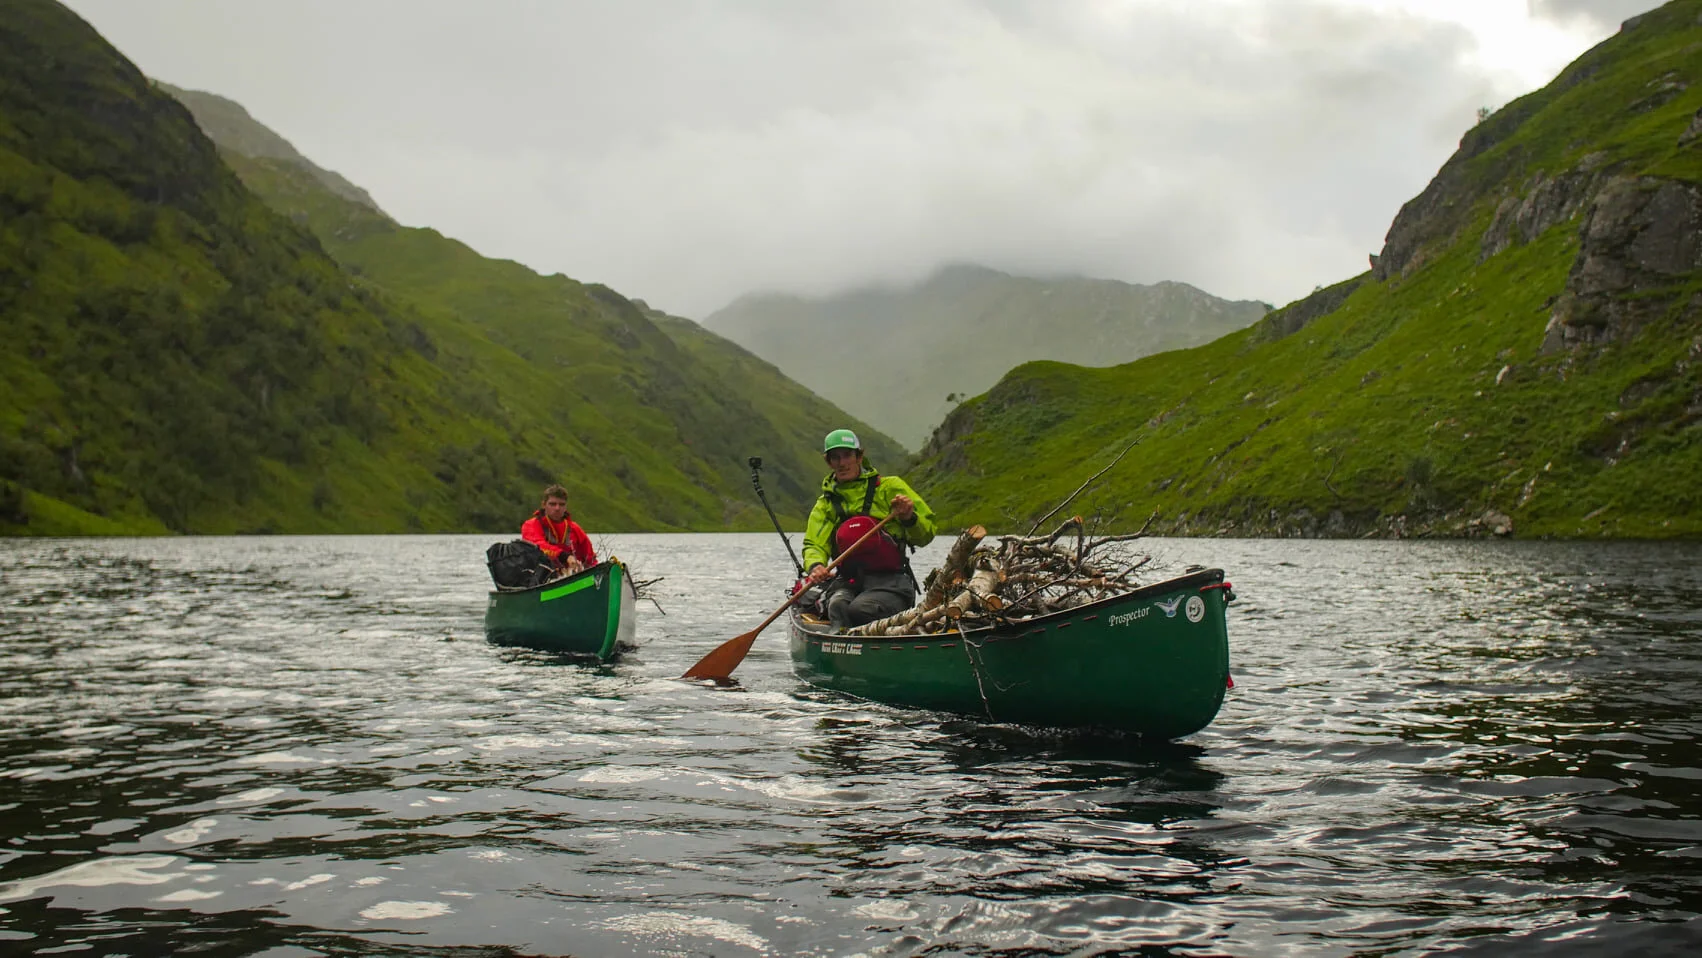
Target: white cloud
(688, 152)
(1600, 15)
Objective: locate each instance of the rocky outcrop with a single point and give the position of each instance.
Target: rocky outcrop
(1262, 523)
(1303, 523)
(1640, 236)
(1436, 217)
(947, 445)
(1292, 318)
(1543, 203)
(1693, 131)
(1430, 220)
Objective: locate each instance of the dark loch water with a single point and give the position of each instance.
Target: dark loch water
(304, 746)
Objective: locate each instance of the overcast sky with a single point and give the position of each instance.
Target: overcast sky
(689, 152)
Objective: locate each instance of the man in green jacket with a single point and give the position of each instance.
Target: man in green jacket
(875, 581)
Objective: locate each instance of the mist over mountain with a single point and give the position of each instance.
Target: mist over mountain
(903, 357)
(228, 124)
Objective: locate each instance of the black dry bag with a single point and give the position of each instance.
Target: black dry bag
(518, 565)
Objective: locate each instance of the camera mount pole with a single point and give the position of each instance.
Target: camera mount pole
(756, 482)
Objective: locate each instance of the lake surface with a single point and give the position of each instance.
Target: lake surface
(304, 746)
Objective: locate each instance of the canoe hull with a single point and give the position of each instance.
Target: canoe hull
(1154, 662)
(591, 613)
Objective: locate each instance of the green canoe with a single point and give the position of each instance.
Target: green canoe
(590, 613)
(1154, 661)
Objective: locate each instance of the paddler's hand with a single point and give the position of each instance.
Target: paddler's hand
(573, 565)
(903, 508)
(818, 574)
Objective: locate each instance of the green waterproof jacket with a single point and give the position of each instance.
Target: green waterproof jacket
(818, 533)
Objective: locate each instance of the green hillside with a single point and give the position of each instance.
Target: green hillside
(231, 127)
(1523, 358)
(598, 365)
(956, 332)
(177, 356)
(791, 472)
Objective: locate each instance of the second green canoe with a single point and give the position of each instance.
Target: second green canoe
(1154, 661)
(590, 613)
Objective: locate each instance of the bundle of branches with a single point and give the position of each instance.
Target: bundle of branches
(645, 589)
(1007, 579)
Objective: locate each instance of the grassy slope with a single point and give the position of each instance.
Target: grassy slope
(226, 123)
(1389, 407)
(166, 342)
(792, 472)
(179, 357)
(587, 365)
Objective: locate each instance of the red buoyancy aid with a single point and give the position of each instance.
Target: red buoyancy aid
(881, 553)
(565, 538)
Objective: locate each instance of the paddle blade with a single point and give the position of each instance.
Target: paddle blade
(719, 664)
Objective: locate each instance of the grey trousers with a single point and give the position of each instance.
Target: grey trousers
(875, 596)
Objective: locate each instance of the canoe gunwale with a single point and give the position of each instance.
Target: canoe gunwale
(554, 583)
(1026, 627)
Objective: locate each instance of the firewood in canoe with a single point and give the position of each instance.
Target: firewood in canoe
(982, 585)
(1014, 542)
(954, 569)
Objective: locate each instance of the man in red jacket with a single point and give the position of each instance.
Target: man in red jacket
(553, 530)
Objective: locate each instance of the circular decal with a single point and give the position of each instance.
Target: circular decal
(1196, 608)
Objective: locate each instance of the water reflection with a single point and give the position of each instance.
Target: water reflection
(1593, 769)
(290, 744)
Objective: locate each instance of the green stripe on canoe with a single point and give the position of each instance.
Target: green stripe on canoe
(568, 589)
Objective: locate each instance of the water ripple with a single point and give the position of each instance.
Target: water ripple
(300, 744)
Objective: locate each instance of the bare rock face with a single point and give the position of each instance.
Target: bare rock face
(1693, 131)
(1544, 203)
(1640, 234)
(1431, 220)
(947, 442)
(1493, 522)
(1322, 302)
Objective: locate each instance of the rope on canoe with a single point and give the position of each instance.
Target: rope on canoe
(974, 667)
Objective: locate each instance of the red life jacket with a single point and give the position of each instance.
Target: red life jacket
(560, 536)
(881, 553)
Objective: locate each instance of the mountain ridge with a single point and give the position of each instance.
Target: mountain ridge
(228, 122)
(955, 331)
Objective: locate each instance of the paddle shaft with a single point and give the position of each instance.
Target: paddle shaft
(756, 482)
(726, 657)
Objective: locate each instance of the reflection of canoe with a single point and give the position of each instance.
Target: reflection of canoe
(1154, 661)
(591, 613)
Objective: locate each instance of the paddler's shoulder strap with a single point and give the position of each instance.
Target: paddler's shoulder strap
(837, 503)
(869, 493)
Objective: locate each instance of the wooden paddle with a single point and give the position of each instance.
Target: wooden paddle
(719, 664)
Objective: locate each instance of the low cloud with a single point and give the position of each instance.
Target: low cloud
(690, 153)
(1604, 15)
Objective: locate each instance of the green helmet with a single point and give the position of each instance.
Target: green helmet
(840, 439)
